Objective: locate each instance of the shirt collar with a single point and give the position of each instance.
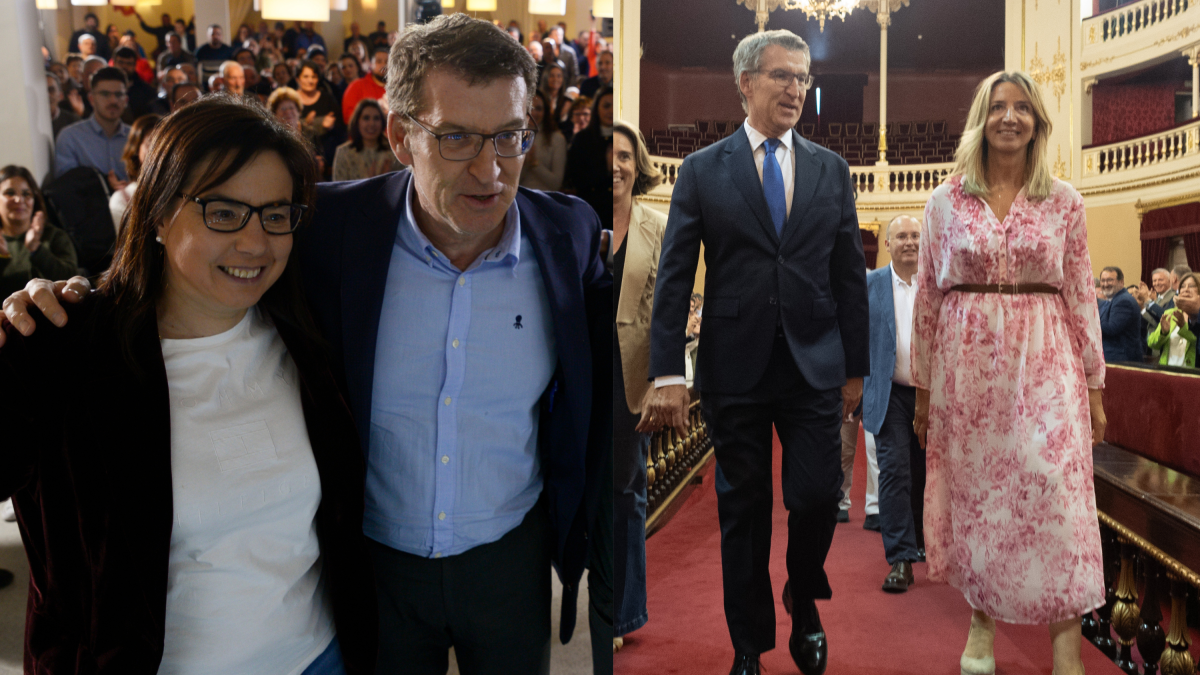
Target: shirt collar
(757, 137)
(897, 281)
(122, 128)
(509, 245)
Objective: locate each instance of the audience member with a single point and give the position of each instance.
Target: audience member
(140, 135)
(214, 49)
(112, 40)
(188, 32)
(145, 70)
(1119, 322)
(140, 96)
(91, 28)
(367, 153)
(244, 35)
(287, 38)
(234, 77)
(360, 50)
(160, 33)
(351, 68)
(1177, 273)
(321, 113)
(174, 53)
(333, 76)
(269, 54)
(380, 37)
(1188, 301)
(170, 78)
(581, 117)
(315, 54)
(373, 87)
(566, 54)
(308, 38)
(355, 35)
(183, 94)
(1156, 298)
(546, 161)
(59, 118)
(552, 85)
(1172, 337)
(202, 303)
(636, 244)
(602, 78)
(89, 45)
(282, 76)
(586, 173)
(30, 247)
(99, 140)
(285, 104)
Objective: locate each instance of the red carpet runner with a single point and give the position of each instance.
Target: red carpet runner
(921, 632)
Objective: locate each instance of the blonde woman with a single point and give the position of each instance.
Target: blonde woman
(1008, 364)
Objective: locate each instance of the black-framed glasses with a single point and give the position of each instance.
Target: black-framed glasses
(784, 78)
(228, 215)
(463, 146)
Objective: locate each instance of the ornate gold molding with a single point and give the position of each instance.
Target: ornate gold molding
(1084, 65)
(1183, 33)
(1133, 185)
(1060, 167)
(1174, 567)
(1149, 205)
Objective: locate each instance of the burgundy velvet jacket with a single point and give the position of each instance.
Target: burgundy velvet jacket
(91, 482)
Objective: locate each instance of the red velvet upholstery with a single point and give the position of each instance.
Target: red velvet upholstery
(1153, 414)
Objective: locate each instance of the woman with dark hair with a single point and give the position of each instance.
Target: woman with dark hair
(133, 156)
(553, 85)
(587, 175)
(30, 247)
(546, 161)
(321, 112)
(204, 515)
(367, 153)
(281, 75)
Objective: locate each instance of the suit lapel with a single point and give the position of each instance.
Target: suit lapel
(368, 250)
(639, 247)
(808, 174)
(739, 164)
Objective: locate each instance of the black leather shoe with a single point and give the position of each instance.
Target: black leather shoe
(745, 664)
(6, 578)
(900, 578)
(843, 515)
(808, 645)
(871, 522)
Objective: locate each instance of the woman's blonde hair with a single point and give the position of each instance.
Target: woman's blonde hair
(970, 160)
(648, 176)
(282, 94)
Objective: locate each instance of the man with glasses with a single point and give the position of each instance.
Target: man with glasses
(100, 139)
(785, 340)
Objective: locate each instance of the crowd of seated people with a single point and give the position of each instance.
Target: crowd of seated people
(1150, 324)
(858, 143)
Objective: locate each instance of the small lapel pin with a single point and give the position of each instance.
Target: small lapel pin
(518, 325)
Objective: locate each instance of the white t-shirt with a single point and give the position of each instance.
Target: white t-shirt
(904, 296)
(244, 591)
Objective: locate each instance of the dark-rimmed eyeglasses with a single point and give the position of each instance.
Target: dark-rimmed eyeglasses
(227, 215)
(463, 146)
(784, 78)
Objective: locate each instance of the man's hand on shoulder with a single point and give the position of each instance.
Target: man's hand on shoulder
(665, 407)
(47, 296)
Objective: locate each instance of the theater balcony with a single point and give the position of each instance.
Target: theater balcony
(1135, 34)
(1144, 161)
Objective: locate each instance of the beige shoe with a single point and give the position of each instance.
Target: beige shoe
(984, 666)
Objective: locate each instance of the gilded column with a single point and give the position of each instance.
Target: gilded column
(884, 17)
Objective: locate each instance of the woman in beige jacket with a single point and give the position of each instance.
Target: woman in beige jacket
(636, 240)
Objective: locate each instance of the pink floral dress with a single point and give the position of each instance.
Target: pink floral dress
(1010, 507)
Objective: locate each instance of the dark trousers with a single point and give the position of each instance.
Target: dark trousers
(491, 603)
(901, 478)
(808, 422)
(600, 576)
(629, 488)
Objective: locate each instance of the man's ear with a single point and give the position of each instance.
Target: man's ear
(397, 136)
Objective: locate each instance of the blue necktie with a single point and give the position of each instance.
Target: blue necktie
(773, 186)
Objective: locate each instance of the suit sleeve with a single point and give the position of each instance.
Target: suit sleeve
(676, 276)
(848, 282)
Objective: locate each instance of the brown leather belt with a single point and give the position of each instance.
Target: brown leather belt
(1006, 289)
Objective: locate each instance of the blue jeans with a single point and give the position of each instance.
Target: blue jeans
(629, 512)
(901, 478)
(328, 663)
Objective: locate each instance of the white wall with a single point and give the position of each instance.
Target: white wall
(25, 117)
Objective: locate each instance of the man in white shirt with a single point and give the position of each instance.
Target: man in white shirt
(888, 401)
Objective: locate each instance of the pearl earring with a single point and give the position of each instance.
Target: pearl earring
(158, 239)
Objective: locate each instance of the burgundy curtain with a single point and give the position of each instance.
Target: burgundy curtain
(1154, 256)
(1191, 246)
(870, 247)
(1121, 112)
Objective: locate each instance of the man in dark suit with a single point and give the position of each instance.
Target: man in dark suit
(785, 339)
(1120, 319)
(889, 400)
(469, 319)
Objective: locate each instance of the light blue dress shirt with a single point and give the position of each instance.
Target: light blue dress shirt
(85, 144)
(462, 360)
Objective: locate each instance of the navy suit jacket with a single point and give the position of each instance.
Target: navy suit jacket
(1120, 326)
(345, 255)
(877, 387)
(812, 279)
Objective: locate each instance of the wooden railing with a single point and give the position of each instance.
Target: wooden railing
(671, 464)
(1130, 19)
(1146, 151)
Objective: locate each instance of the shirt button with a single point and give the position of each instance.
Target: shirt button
(771, 300)
(445, 459)
(455, 343)
(780, 260)
(442, 515)
(437, 555)
(447, 401)
(462, 281)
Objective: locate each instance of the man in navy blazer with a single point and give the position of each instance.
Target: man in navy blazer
(1120, 319)
(418, 279)
(889, 399)
(785, 339)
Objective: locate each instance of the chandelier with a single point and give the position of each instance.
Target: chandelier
(821, 10)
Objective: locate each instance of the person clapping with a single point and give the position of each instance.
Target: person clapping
(30, 247)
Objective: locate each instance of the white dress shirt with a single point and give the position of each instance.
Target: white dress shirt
(903, 297)
(786, 156)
